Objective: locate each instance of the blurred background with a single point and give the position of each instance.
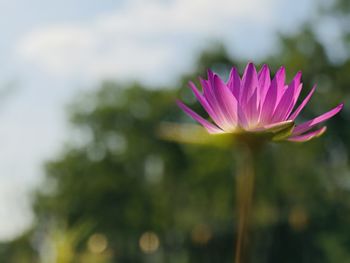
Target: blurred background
(84, 176)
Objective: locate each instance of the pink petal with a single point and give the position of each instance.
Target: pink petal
(284, 105)
(249, 83)
(226, 100)
(308, 136)
(264, 83)
(273, 96)
(202, 100)
(211, 128)
(297, 88)
(242, 118)
(279, 81)
(251, 110)
(210, 96)
(268, 105)
(304, 127)
(288, 100)
(302, 105)
(207, 88)
(234, 82)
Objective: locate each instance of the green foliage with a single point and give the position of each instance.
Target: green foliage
(126, 180)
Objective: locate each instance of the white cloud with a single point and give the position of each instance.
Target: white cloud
(155, 41)
(15, 212)
(150, 41)
(30, 132)
(61, 48)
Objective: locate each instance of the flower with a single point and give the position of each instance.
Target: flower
(256, 104)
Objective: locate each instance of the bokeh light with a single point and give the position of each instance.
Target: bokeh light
(298, 218)
(201, 234)
(149, 242)
(97, 243)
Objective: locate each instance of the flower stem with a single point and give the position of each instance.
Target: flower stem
(245, 189)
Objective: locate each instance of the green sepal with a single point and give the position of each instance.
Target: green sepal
(194, 134)
(284, 134)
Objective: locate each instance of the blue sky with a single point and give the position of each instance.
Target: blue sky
(51, 50)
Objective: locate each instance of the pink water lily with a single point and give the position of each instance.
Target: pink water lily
(255, 103)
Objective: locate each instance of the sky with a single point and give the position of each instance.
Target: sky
(52, 50)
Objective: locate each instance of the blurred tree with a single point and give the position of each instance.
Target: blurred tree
(128, 181)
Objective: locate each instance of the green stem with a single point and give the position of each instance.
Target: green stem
(245, 189)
